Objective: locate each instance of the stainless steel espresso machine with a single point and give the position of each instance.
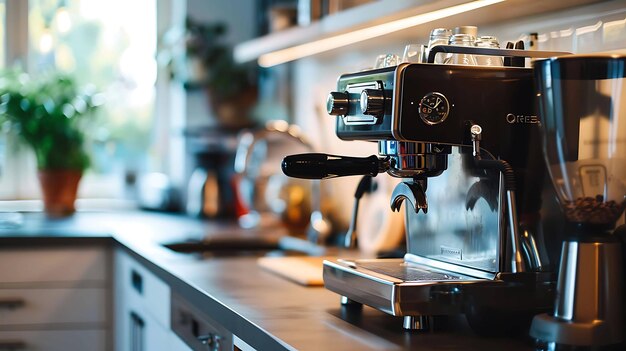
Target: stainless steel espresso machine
(466, 142)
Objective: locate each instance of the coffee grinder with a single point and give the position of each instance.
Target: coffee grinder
(581, 101)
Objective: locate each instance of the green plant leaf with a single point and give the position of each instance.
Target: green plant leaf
(47, 113)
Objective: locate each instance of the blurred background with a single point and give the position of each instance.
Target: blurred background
(201, 99)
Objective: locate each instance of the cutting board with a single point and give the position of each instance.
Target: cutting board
(304, 270)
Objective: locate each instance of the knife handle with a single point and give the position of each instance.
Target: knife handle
(508, 60)
(518, 61)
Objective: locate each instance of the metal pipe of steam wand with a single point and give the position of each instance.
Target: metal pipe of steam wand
(517, 261)
(364, 186)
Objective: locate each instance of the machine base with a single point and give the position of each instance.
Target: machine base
(416, 292)
(549, 329)
(416, 322)
(588, 311)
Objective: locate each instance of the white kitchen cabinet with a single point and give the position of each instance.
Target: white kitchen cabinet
(54, 340)
(55, 298)
(142, 308)
(178, 345)
(198, 330)
(54, 306)
(75, 266)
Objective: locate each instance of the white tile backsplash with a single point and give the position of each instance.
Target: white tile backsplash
(588, 29)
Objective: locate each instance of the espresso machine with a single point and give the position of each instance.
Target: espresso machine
(584, 125)
(466, 142)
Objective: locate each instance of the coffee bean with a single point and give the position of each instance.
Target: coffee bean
(593, 210)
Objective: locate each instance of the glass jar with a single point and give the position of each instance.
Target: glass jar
(471, 30)
(386, 60)
(414, 53)
(485, 60)
(438, 36)
(461, 59)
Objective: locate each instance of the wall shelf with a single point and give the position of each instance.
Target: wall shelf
(385, 11)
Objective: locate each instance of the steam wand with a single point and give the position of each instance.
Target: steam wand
(366, 185)
(517, 261)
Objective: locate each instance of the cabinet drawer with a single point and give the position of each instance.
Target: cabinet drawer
(136, 286)
(141, 332)
(45, 265)
(53, 306)
(53, 340)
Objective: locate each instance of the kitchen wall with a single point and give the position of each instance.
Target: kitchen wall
(188, 109)
(239, 17)
(591, 28)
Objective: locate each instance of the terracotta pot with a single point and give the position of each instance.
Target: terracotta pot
(59, 188)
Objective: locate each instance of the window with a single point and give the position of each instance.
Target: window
(4, 167)
(2, 32)
(112, 45)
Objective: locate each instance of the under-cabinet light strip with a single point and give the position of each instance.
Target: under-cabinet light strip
(337, 41)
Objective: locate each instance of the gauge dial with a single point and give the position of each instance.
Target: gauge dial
(434, 108)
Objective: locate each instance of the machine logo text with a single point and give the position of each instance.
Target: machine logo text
(512, 118)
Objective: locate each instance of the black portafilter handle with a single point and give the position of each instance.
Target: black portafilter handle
(322, 166)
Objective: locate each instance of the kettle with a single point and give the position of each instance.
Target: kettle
(269, 197)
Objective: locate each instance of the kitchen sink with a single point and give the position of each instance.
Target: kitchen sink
(223, 246)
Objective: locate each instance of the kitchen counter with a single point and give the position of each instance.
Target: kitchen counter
(263, 309)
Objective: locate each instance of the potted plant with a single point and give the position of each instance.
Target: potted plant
(48, 114)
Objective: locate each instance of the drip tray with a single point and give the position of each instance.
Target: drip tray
(407, 272)
(401, 288)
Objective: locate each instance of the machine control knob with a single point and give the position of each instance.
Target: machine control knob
(373, 102)
(337, 103)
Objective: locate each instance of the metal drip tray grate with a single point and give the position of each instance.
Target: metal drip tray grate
(408, 272)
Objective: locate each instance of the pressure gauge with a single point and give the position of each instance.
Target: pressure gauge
(434, 108)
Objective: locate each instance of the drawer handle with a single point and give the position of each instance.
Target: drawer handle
(136, 281)
(12, 345)
(10, 303)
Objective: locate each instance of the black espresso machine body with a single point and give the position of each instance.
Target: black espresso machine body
(500, 99)
(466, 142)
